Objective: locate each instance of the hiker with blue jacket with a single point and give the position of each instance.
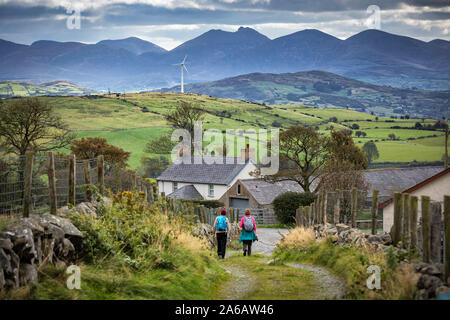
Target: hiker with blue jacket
(221, 227)
(248, 234)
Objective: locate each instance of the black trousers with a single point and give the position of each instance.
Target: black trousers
(221, 243)
(248, 246)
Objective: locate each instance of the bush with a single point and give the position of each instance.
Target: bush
(286, 203)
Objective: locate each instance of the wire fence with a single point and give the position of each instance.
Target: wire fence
(13, 182)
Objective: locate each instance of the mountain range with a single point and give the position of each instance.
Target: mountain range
(133, 64)
(325, 89)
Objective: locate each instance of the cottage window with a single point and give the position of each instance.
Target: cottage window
(238, 189)
(211, 190)
(175, 186)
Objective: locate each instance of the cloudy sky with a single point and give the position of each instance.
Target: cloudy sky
(168, 23)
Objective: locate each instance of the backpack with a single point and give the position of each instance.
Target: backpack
(248, 224)
(221, 223)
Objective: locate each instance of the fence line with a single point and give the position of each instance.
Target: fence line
(37, 184)
(433, 229)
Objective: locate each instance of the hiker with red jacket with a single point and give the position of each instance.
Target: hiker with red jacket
(248, 235)
(221, 227)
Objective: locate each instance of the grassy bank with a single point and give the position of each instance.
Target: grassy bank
(351, 263)
(132, 250)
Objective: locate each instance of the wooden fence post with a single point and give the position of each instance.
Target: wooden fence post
(51, 182)
(87, 180)
(298, 217)
(426, 228)
(325, 208)
(435, 239)
(447, 239)
(312, 209)
(337, 207)
(354, 206)
(406, 218)
(101, 174)
(397, 228)
(413, 223)
(28, 183)
(72, 178)
(374, 211)
(133, 182)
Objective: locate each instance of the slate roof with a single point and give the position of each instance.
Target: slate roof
(204, 172)
(418, 185)
(265, 192)
(186, 192)
(388, 181)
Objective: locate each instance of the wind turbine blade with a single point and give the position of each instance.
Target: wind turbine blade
(184, 59)
(185, 68)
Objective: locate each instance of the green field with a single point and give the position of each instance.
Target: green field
(131, 120)
(25, 89)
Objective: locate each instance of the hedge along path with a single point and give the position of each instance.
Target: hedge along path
(252, 278)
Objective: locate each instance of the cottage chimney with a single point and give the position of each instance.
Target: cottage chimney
(245, 154)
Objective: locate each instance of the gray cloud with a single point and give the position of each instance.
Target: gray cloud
(170, 26)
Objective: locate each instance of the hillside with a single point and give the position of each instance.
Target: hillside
(131, 120)
(325, 89)
(55, 88)
(133, 64)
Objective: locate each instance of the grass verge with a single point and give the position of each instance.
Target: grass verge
(397, 279)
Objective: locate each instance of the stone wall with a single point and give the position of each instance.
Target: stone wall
(29, 243)
(431, 283)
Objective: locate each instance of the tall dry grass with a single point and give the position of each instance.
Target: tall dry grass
(298, 238)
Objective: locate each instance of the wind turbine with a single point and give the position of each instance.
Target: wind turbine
(182, 65)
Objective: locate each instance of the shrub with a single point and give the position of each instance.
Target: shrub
(286, 203)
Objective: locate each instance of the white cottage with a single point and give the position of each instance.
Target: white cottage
(204, 180)
(434, 187)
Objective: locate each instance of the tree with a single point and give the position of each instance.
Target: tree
(154, 166)
(358, 133)
(89, 148)
(364, 134)
(29, 124)
(371, 151)
(345, 164)
(333, 119)
(392, 136)
(161, 145)
(305, 156)
(302, 156)
(184, 116)
(355, 126)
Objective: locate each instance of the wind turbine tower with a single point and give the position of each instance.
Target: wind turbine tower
(182, 65)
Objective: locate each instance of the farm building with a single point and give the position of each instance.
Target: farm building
(388, 181)
(435, 187)
(204, 180)
(256, 193)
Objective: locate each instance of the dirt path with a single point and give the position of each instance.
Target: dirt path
(329, 286)
(318, 281)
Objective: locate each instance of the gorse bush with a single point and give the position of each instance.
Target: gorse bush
(136, 233)
(286, 204)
